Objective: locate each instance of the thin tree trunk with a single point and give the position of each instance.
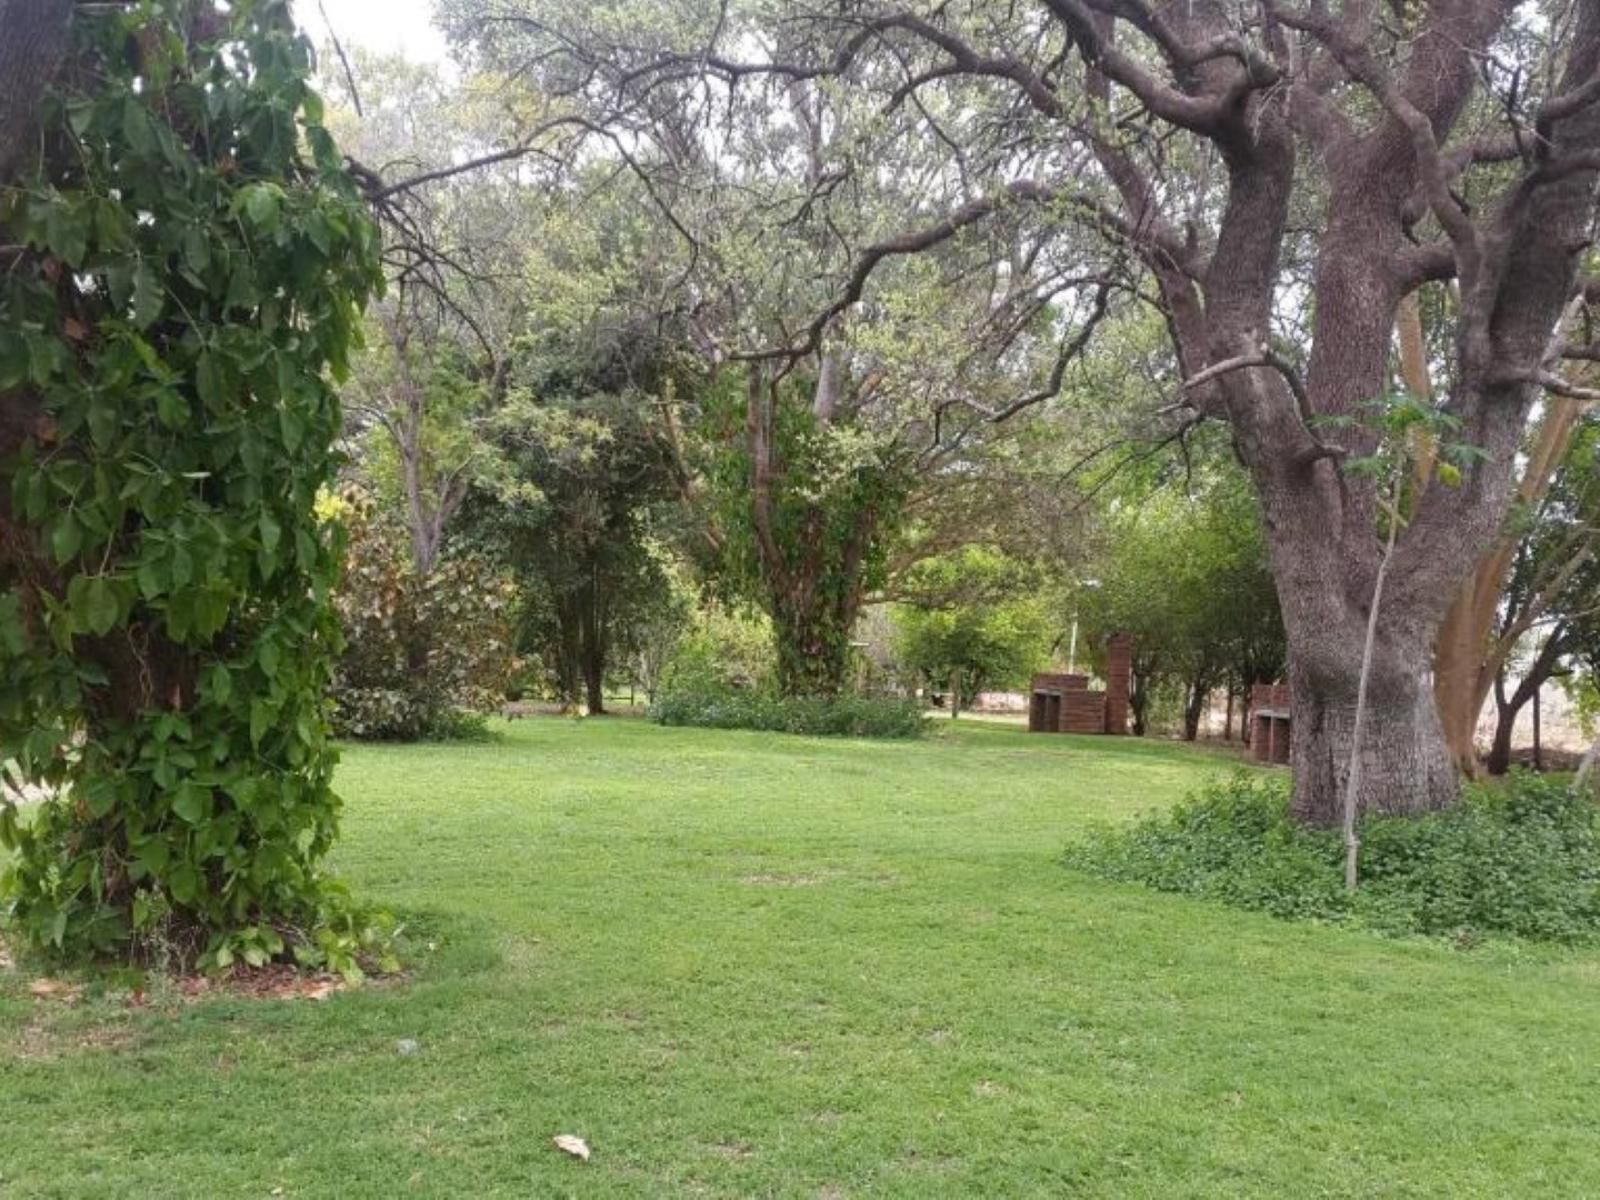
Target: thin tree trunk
(1194, 704)
(1505, 726)
(1352, 790)
(1139, 700)
(1539, 672)
(1538, 747)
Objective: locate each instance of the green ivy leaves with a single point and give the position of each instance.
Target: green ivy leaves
(191, 279)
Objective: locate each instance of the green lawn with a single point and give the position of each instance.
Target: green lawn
(751, 965)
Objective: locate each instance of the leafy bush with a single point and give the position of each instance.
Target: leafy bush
(842, 716)
(1520, 860)
(967, 649)
(722, 649)
(422, 655)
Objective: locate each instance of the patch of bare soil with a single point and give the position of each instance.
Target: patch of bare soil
(275, 981)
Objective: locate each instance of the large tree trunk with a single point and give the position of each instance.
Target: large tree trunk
(594, 684)
(813, 572)
(813, 642)
(33, 37)
(1405, 763)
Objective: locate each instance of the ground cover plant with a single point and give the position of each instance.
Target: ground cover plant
(1521, 860)
(742, 965)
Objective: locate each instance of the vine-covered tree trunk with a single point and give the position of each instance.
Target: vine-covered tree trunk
(163, 552)
(812, 553)
(813, 644)
(33, 38)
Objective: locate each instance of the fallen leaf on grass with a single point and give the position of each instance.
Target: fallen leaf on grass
(574, 1146)
(56, 989)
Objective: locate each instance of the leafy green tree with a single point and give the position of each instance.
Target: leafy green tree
(1184, 572)
(422, 653)
(987, 633)
(579, 531)
(1551, 604)
(186, 257)
(805, 508)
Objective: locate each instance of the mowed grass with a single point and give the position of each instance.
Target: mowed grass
(753, 965)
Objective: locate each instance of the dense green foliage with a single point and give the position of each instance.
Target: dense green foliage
(1520, 860)
(824, 716)
(422, 653)
(196, 258)
(576, 527)
(721, 648)
(806, 511)
(990, 627)
(1184, 571)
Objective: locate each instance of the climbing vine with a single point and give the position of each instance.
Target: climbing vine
(189, 261)
(807, 508)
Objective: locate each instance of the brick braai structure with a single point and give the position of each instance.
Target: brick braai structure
(1067, 704)
(1270, 725)
(1119, 681)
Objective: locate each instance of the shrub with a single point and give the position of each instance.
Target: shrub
(841, 716)
(422, 655)
(721, 650)
(1521, 860)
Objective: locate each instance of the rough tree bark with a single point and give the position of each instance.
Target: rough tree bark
(33, 38)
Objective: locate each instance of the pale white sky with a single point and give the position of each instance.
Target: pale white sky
(385, 26)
